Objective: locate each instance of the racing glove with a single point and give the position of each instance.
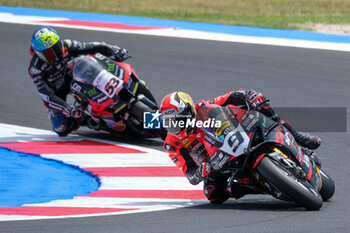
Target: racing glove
(75, 112)
(255, 99)
(119, 54)
(204, 170)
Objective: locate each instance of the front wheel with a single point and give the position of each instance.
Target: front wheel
(328, 187)
(298, 190)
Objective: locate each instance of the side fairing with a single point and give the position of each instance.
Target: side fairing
(280, 135)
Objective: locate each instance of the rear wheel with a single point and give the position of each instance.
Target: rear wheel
(296, 189)
(137, 110)
(328, 187)
(146, 92)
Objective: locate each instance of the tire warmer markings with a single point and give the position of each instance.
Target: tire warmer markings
(133, 179)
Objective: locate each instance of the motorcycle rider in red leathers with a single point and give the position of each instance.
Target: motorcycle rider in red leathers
(185, 145)
(52, 76)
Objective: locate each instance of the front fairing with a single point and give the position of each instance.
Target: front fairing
(223, 143)
(93, 81)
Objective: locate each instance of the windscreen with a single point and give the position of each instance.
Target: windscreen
(228, 135)
(85, 69)
(215, 119)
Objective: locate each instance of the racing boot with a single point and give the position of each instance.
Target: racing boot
(237, 190)
(312, 156)
(305, 140)
(215, 188)
(218, 198)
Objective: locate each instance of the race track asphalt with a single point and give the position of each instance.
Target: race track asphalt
(289, 77)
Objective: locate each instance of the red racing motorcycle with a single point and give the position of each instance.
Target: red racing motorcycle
(262, 155)
(113, 96)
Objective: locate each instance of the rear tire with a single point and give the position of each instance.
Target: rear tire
(137, 110)
(146, 92)
(328, 187)
(163, 133)
(296, 189)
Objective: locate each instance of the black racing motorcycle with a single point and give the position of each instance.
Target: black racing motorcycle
(112, 95)
(262, 156)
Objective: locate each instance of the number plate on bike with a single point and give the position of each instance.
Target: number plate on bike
(108, 83)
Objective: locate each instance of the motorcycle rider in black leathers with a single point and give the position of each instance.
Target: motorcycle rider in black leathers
(52, 76)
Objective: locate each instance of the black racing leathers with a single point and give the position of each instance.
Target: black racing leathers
(53, 80)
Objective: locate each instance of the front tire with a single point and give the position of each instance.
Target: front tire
(328, 187)
(298, 190)
(146, 92)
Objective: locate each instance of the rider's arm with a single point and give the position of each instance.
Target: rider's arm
(242, 97)
(76, 48)
(51, 100)
(183, 160)
(237, 97)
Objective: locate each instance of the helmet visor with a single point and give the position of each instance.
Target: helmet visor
(51, 54)
(176, 125)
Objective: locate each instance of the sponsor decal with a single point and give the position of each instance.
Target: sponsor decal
(169, 113)
(37, 80)
(121, 74)
(91, 92)
(252, 123)
(169, 148)
(104, 98)
(100, 56)
(219, 159)
(76, 87)
(287, 138)
(192, 144)
(199, 148)
(210, 139)
(247, 120)
(200, 104)
(221, 129)
(110, 67)
(34, 71)
(186, 142)
(44, 66)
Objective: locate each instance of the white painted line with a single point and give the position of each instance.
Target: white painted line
(102, 202)
(114, 160)
(148, 183)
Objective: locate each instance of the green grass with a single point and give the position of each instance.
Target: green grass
(290, 14)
